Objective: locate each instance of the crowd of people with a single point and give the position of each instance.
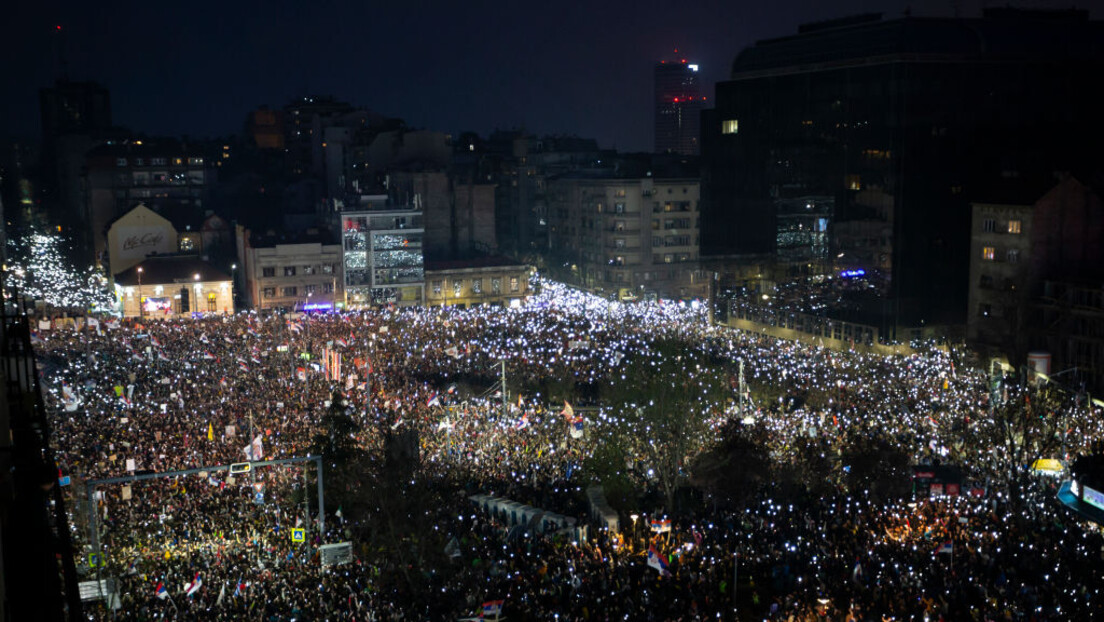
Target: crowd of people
(132, 396)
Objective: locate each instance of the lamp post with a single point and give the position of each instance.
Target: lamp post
(233, 282)
(140, 310)
(632, 540)
(197, 291)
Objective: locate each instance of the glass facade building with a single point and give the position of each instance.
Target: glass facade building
(383, 257)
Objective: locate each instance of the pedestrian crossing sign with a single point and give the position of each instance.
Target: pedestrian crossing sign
(298, 534)
(94, 560)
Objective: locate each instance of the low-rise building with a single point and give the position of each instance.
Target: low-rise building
(167, 286)
(476, 282)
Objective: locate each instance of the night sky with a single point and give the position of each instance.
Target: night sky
(581, 68)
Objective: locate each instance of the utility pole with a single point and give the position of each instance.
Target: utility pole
(743, 391)
(503, 389)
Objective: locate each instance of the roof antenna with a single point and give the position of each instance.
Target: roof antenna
(59, 53)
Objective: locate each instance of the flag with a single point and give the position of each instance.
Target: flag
(222, 593)
(208, 356)
(342, 343)
(492, 608)
(294, 326)
(243, 366)
(857, 572)
(433, 400)
(301, 373)
(194, 586)
(238, 588)
(661, 526)
(210, 431)
(946, 547)
(161, 592)
(568, 411)
(577, 427)
(655, 560)
(453, 352)
(522, 423)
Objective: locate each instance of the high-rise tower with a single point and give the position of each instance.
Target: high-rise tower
(678, 105)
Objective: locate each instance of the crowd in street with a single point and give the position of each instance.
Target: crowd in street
(150, 396)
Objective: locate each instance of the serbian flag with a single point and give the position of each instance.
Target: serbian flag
(946, 547)
(522, 423)
(194, 586)
(161, 592)
(576, 430)
(655, 560)
(492, 608)
(238, 589)
(568, 411)
(661, 526)
(301, 373)
(433, 400)
(294, 326)
(243, 366)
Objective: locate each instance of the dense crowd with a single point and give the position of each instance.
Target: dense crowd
(133, 396)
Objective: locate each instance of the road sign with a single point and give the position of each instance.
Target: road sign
(240, 467)
(298, 534)
(95, 560)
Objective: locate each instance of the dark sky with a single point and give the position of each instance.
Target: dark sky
(559, 66)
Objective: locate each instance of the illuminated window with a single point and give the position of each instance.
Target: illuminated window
(1014, 226)
(730, 126)
(477, 286)
(187, 244)
(853, 182)
(457, 287)
(496, 286)
(514, 284)
(270, 292)
(988, 253)
(437, 287)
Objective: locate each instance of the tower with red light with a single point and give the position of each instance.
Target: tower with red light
(678, 106)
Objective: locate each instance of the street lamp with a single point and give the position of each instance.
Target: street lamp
(140, 310)
(633, 538)
(233, 282)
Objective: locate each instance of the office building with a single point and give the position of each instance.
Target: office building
(678, 106)
(383, 256)
(900, 124)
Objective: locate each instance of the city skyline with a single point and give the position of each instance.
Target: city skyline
(585, 71)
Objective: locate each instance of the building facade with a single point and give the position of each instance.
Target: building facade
(164, 287)
(493, 281)
(1036, 280)
(678, 106)
(903, 123)
(383, 257)
(137, 234)
(628, 238)
(294, 275)
(1000, 258)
